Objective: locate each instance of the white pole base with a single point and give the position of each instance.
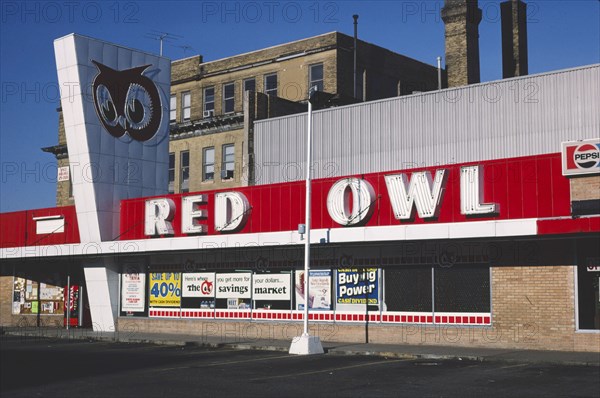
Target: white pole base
(306, 345)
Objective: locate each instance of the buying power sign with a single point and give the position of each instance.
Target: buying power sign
(581, 157)
(357, 286)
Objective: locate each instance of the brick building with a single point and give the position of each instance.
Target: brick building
(212, 116)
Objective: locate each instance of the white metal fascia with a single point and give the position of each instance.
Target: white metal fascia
(463, 230)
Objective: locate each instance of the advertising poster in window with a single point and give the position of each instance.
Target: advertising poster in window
(198, 290)
(234, 286)
(319, 290)
(133, 288)
(271, 286)
(26, 300)
(200, 284)
(358, 286)
(165, 289)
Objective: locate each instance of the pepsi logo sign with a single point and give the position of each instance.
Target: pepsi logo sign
(586, 156)
(581, 157)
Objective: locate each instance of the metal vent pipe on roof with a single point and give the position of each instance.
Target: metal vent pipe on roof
(355, 17)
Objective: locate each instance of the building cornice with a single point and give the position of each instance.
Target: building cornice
(59, 151)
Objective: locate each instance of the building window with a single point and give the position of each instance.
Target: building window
(173, 109)
(271, 84)
(456, 289)
(228, 161)
(316, 77)
(228, 98)
(588, 284)
(184, 181)
(209, 101)
(250, 84)
(208, 164)
(462, 289)
(171, 172)
(186, 105)
(408, 289)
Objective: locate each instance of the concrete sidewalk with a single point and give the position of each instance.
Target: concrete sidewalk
(429, 352)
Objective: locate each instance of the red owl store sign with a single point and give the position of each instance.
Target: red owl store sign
(454, 193)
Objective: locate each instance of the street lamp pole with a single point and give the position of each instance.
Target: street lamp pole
(307, 217)
(307, 344)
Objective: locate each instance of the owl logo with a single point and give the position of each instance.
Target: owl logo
(126, 101)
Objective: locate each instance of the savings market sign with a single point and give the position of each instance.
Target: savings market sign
(200, 284)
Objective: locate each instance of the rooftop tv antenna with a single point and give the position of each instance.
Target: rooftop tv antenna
(186, 48)
(162, 36)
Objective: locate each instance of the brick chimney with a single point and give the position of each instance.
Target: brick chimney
(514, 38)
(462, 18)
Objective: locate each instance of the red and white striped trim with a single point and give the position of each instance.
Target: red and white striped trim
(165, 313)
(330, 316)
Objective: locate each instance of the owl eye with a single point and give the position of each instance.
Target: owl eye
(138, 107)
(106, 105)
(135, 111)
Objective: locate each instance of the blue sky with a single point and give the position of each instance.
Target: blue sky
(562, 34)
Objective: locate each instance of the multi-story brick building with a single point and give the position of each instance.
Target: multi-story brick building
(213, 104)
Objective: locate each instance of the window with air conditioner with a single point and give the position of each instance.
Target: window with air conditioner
(228, 166)
(209, 102)
(316, 77)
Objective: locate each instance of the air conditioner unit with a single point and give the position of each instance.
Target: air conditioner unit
(209, 113)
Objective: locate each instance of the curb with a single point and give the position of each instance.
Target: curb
(403, 355)
(280, 348)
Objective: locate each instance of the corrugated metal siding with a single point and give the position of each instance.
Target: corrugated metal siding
(523, 116)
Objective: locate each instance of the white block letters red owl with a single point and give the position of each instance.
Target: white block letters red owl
(115, 107)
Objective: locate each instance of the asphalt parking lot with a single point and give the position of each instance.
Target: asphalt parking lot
(79, 368)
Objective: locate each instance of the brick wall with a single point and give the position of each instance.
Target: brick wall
(185, 68)
(461, 20)
(532, 308)
(6, 288)
(535, 306)
(195, 146)
(322, 41)
(62, 138)
(585, 188)
(292, 81)
(63, 197)
(384, 70)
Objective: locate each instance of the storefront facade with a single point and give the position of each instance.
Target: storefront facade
(506, 277)
(493, 246)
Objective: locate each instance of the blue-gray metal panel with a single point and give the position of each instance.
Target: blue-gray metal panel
(522, 116)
